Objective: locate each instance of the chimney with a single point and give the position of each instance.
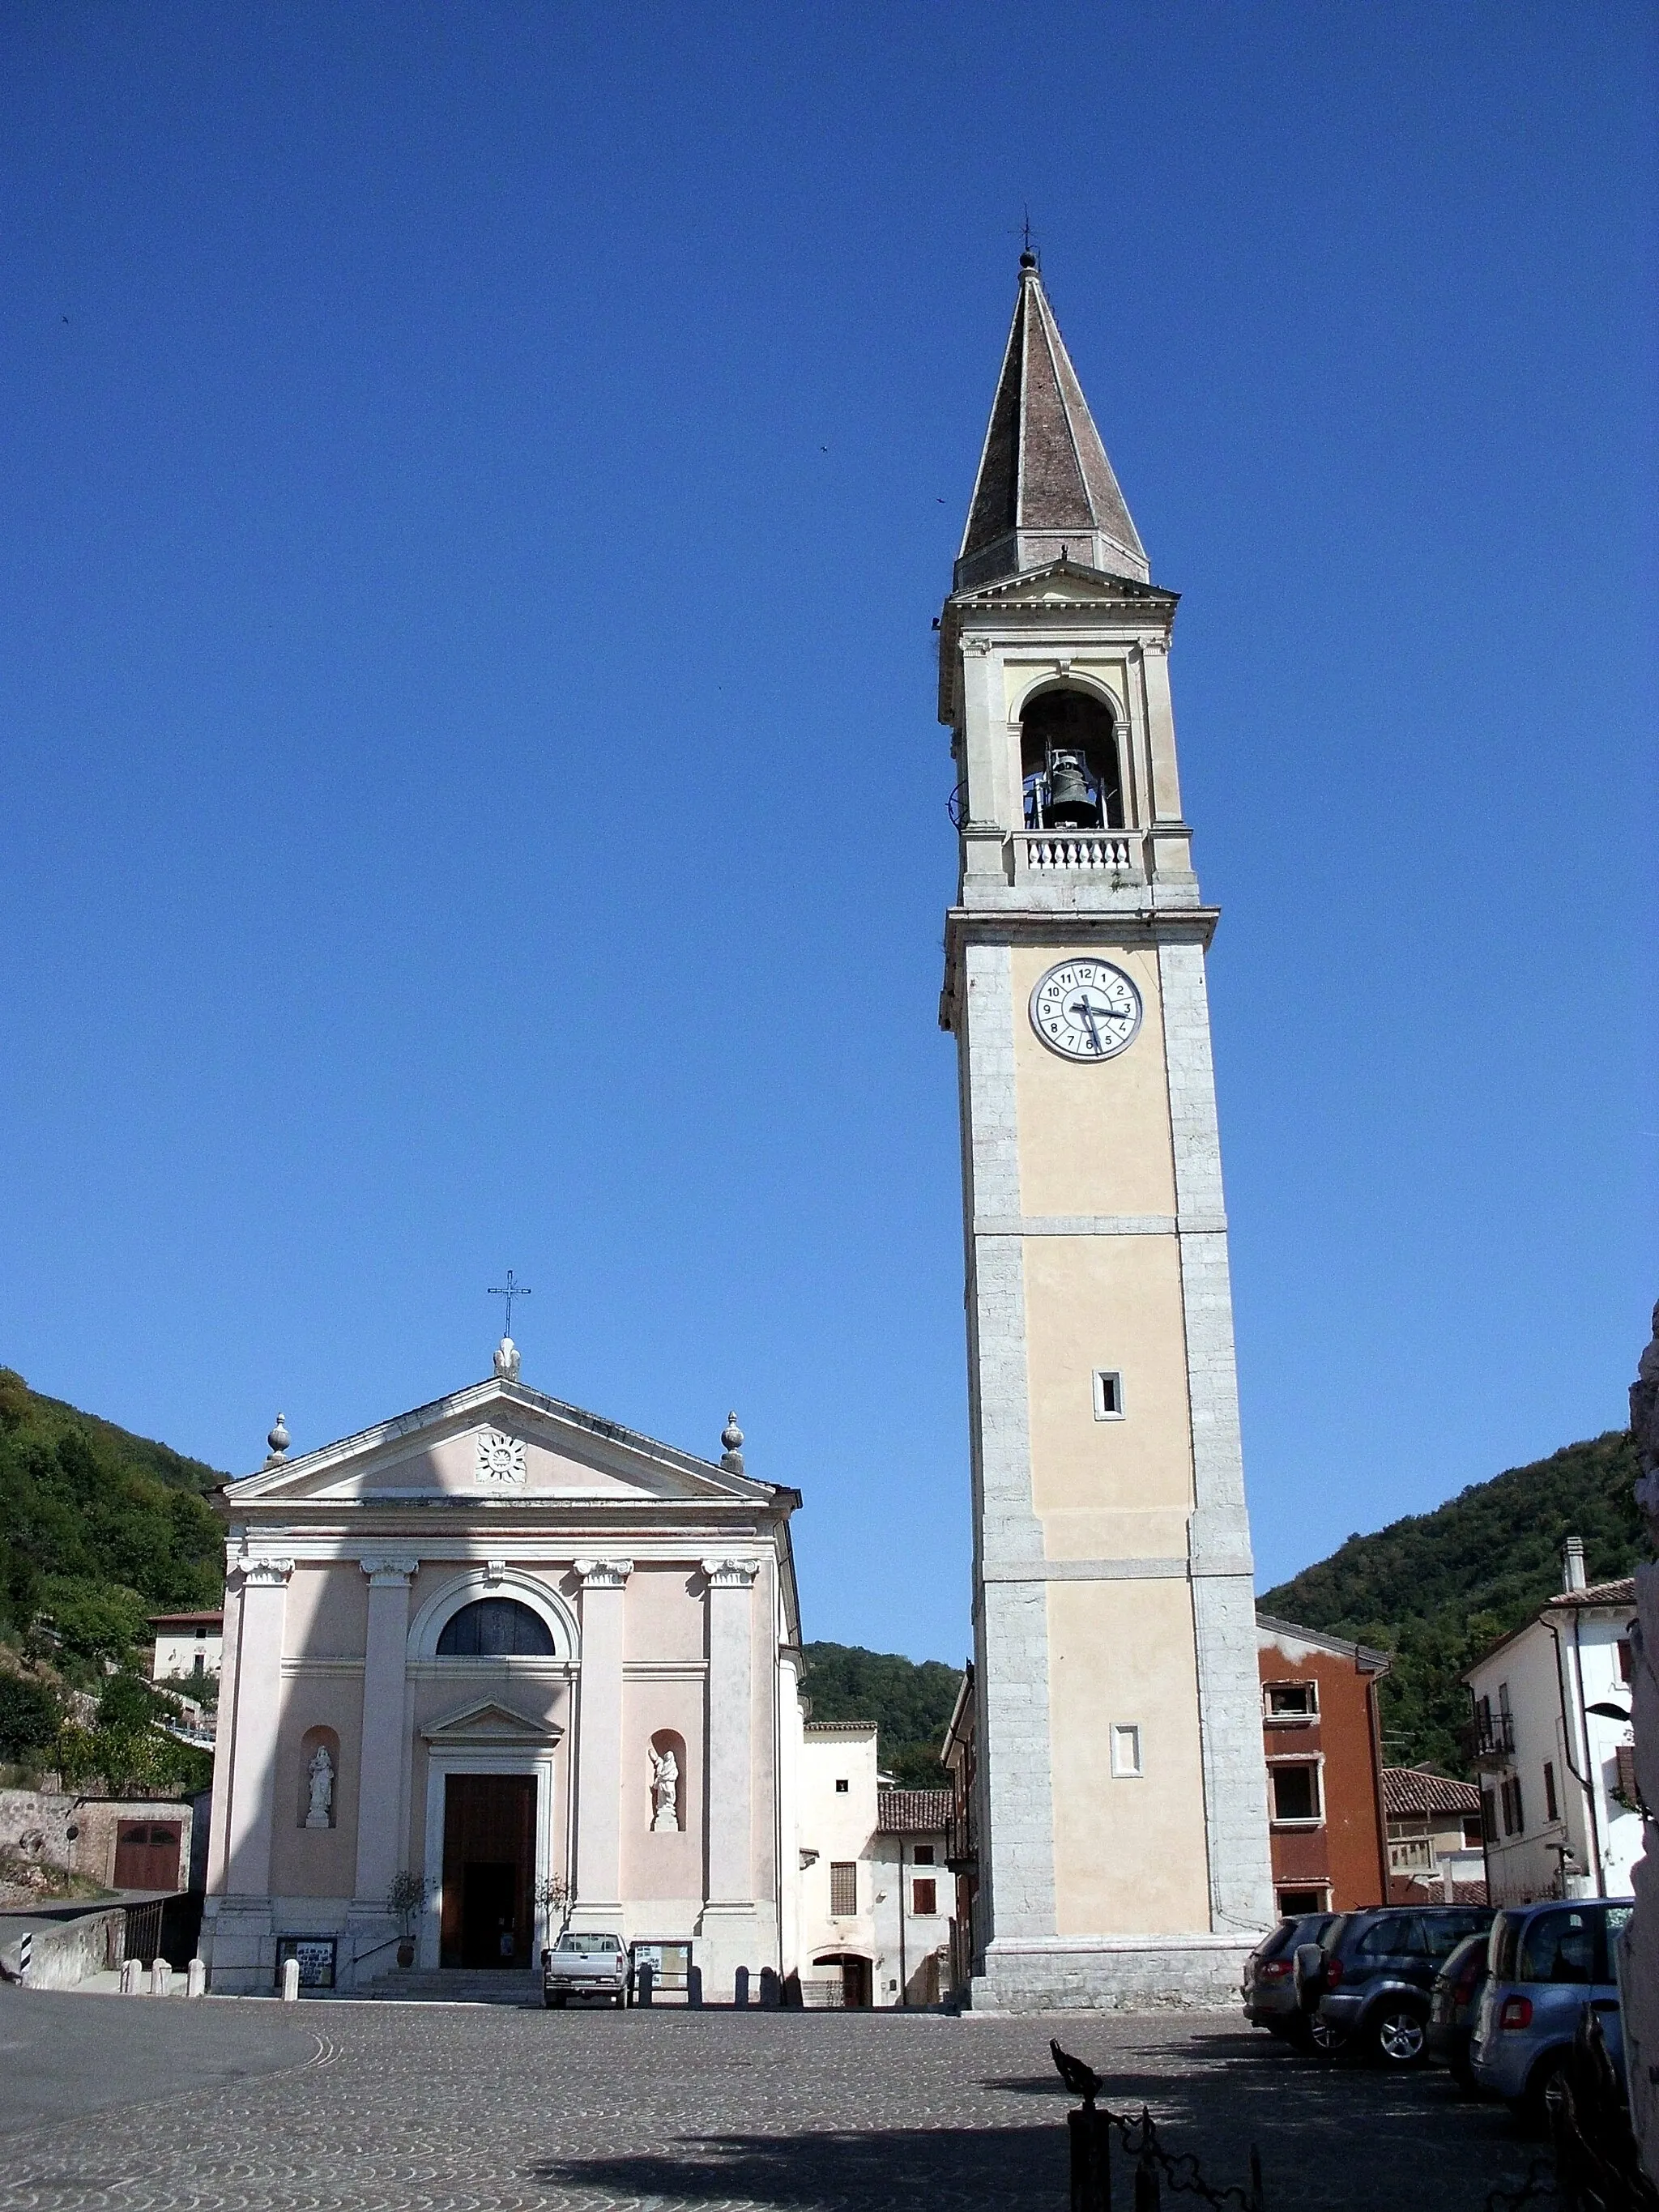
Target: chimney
(1572, 1564)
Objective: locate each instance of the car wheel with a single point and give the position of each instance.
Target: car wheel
(1324, 2037)
(1532, 2111)
(1398, 2034)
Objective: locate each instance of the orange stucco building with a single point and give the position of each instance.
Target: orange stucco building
(1321, 1739)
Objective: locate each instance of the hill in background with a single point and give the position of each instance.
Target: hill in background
(1435, 1589)
(97, 1529)
(910, 1703)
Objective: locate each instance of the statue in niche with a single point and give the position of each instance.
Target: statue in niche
(321, 1772)
(664, 1791)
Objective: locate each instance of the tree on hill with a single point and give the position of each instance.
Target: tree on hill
(1438, 1588)
(909, 1702)
(98, 1528)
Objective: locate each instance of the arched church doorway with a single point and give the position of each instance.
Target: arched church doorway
(489, 1866)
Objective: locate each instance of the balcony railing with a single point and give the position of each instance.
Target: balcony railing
(1064, 852)
(960, 1851)
(1491, 1739)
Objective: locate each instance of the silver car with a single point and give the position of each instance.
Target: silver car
(1547, 1962)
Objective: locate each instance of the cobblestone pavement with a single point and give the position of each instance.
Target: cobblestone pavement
(462, 2109)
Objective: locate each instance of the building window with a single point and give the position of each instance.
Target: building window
(1488, 1817)
(1108, 1395)
(843, 1888)
(495, 1628)
(1126, 1749)
(924, 1855)
(1549, 1791)
(1627, 1662)
(840, 1788)
(1625, 1789)
(1514, 1817)
(1295, 1904)
(1292, 1701)
(924, 1898)
(1296, 1791)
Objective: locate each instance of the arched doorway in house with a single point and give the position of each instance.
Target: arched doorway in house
(855, 1976)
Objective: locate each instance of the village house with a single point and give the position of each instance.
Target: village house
(1322, 1744)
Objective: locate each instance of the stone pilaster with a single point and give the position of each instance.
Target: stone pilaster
(729, 1928)
(237, 1940)
(1639, 1977)
(383, 1751)
(598, 1745)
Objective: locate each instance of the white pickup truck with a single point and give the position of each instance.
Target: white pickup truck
(585, 1965)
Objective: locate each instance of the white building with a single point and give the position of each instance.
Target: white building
(187, 1644)
(1554, 1748)
(874, 1896)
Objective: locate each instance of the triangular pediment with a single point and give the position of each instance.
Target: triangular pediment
(1067, 583)
(486, 1720)
(502, 1442)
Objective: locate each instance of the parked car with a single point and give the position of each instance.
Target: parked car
(1366, 1981)
(1454, 2000)
(588, 1965)
(1269, 1985)
(1548, 1962)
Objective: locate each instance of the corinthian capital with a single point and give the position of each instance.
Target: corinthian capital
(603, 1574)
(264, 1573)
(386, 1574)
(730, 1574)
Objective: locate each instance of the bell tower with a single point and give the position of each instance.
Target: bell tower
(1119, 1789)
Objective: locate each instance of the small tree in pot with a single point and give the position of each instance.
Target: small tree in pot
(406, 1901)
(552, 1894)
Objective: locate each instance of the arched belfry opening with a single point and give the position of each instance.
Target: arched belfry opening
(1069, 763)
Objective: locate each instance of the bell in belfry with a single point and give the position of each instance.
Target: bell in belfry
(1072, 803)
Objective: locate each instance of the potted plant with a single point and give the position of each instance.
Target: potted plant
(406, 1901)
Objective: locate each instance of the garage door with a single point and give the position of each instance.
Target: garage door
(147, 1855)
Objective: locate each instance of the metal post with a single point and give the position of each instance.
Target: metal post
(1090, 2135)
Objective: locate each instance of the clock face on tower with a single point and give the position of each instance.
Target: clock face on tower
(1085, 1009)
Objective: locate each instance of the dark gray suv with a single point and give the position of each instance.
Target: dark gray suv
(1365, 1983)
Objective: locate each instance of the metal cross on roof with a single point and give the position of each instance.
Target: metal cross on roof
(509, 1290)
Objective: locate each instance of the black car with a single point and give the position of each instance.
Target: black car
(1366, 1983)
(1453, 2004)
(1269, 1986)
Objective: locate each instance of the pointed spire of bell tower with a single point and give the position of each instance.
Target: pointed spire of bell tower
(1045, 487)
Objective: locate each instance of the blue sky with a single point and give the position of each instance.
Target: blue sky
(480, 480)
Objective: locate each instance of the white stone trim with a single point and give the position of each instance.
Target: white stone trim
(603, 1574)
(1087, 1571)
(1096, 1224)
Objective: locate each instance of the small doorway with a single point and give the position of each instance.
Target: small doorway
(147, 1855)
(854, 1977)
(490, 1866)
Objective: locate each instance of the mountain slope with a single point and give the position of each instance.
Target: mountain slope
(910, 1703)
(98, 1528)
(1437, 1588)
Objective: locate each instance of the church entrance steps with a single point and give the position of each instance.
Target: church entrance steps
(455, 1985)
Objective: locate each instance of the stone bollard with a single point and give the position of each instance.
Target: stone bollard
(195, 1979)
(740, 1989)
(769, 1995)
(161, 1978)
(291, 1981)
(694, 1988)
(645, 1982)
(130, 1971)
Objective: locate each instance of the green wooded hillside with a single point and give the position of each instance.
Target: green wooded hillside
(910, 1703)
(1437, 1588)
(97, 1529)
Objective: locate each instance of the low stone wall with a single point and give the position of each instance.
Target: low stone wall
(65, 1952)
(1107, 1973)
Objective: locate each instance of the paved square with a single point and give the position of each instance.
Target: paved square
(478, 2109)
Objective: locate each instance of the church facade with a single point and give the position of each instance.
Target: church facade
(1121, 1831)
(494, 1665)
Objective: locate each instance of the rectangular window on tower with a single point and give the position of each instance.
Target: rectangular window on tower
(843, 1888)
(1126, 1749)
(1549, 1791)
(1108, 1395)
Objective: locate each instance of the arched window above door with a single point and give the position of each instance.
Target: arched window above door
(495, 1628)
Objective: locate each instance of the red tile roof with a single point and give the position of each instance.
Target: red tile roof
(1619, 1593)
(913, 1812)
(1408, 1789)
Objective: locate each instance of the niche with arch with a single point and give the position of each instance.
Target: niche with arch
(1070, 764)
(319, 1794)
(666, 1793)
(495, 1628)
